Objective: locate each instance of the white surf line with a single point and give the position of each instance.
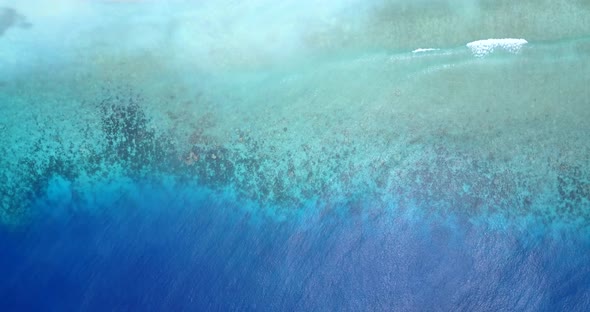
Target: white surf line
(482, 48)
(421, 50)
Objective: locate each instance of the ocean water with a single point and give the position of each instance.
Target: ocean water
(261, 156)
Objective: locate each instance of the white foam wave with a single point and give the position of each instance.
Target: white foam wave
(424, 50)
(481, 48)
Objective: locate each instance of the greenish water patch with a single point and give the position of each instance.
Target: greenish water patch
(11, 18)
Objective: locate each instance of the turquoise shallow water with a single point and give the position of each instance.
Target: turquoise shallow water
(358, 155)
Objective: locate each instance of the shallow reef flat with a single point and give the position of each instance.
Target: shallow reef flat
(484, 130)
(447, 133)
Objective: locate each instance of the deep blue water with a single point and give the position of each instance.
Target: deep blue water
(173, 249)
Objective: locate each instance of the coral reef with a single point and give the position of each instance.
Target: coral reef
(122, 141)
(128, 138)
